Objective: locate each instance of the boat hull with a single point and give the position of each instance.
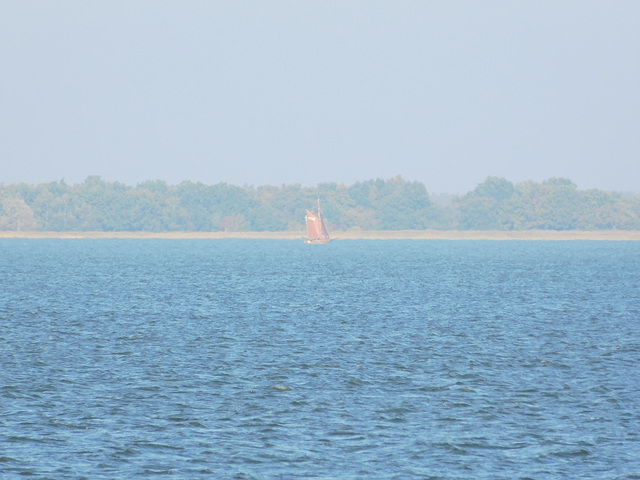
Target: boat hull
(318, 241)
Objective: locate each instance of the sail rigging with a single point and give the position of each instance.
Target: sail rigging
(316, 228)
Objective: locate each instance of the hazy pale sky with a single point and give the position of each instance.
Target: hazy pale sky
(272, 92)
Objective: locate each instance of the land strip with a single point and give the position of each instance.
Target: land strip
(558, 235)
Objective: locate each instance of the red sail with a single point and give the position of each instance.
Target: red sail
(314, 226)
(316, 229)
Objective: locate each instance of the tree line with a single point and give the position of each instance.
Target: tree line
(392, 204)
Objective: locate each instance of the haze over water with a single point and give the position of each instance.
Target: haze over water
(357, 359)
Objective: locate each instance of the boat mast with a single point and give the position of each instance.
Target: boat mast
(316, 229)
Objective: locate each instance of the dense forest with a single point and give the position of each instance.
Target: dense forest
(393, 204)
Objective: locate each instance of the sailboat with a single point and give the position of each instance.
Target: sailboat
(316, 229)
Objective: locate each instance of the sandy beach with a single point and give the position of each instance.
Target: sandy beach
(611, 235)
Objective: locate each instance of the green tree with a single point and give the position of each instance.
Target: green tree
(15, 214)
(489, 206)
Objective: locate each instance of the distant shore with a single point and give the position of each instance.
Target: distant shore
(611, 235)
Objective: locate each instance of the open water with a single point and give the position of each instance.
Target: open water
(358, 359)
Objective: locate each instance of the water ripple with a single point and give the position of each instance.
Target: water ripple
(268, 359)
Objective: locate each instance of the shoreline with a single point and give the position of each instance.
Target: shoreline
(532, 235)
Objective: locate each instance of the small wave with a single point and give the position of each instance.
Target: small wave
(571, 453)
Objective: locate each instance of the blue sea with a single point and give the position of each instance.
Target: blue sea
(272, 359)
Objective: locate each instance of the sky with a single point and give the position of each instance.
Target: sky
(257, 93)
